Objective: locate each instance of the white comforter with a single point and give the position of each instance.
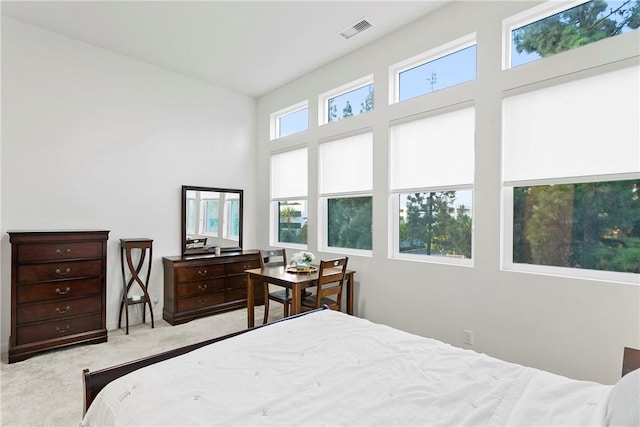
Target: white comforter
(328, 368)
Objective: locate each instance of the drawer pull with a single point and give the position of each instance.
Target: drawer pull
(63, 330)
(202, 301)
(65, 252)
(64, 310)
(202, 287)
(62, 273)
(59, 292)
(202, 273)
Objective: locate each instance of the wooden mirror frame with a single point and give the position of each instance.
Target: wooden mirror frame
(211, 248)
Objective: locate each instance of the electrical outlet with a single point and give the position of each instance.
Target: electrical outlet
(155, 299)
(468, 337)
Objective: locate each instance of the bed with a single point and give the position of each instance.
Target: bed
(329, 368)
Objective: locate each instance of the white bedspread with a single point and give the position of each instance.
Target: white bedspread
(328, 368)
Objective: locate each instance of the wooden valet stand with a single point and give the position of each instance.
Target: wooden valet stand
(127, 246)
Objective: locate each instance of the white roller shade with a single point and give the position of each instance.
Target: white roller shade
(585, 127)
(346, 165)
(289, 174)
(433, 152)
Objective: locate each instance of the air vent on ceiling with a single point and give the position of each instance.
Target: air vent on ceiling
(354, 29)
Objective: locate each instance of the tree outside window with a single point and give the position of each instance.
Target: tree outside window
(436, 223)
(589, 225)
(292, 226)
(350, 222)
(351, 103)
(587, 23)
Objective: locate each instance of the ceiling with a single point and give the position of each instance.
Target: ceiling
(250, 47)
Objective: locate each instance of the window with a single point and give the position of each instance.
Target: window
(289, 198)
(346, 182)
(210, 217)
(594, 225)
(436, 223)
(432, 171)
(349, 222)
(232, 216)
(191, 219)
(571, 176)
(292, 224)
(440, 68)
(289, 121)
(349, 100)
(552, 27)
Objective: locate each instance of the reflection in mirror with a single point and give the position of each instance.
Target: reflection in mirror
(211, 218)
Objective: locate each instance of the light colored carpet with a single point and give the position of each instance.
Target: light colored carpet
(47, 389)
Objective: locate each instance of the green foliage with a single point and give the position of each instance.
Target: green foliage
(431, 224)
(333, 111)
(367, 105)
(548, 229)
(578, 26)
(291, 231)
(288, 235)
(347, 111)
(461, 232)
(349, 222)
(620, 258)
(588, 225)
(521, 214)
(287, 214)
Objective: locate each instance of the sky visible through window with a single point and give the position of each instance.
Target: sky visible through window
(450, 70)
(294, 122)
(349, 104)
(463, 197)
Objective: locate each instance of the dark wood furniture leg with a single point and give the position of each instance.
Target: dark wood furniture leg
(250, 302)
(350, 286)
(296, 298)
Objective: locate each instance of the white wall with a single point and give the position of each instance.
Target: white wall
(96, 140)
(572, 327)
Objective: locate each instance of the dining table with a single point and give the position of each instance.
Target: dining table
(295, 281)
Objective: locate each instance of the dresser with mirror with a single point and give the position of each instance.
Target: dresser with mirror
(208, 277)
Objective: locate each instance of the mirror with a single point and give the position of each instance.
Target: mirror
(211, 217)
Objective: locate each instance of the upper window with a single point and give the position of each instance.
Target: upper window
(291, 120)
(346, 183)
(572, 176)
(289, 198)
(346, 101)
(557, 26)
(440, 68)
(432, 173)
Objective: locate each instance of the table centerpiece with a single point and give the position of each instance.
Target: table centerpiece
(301, 261)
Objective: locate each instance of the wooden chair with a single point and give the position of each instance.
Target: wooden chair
(331, 275)
(275, 258)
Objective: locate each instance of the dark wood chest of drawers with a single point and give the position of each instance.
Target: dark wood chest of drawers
(198, 286)
(58, 290)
